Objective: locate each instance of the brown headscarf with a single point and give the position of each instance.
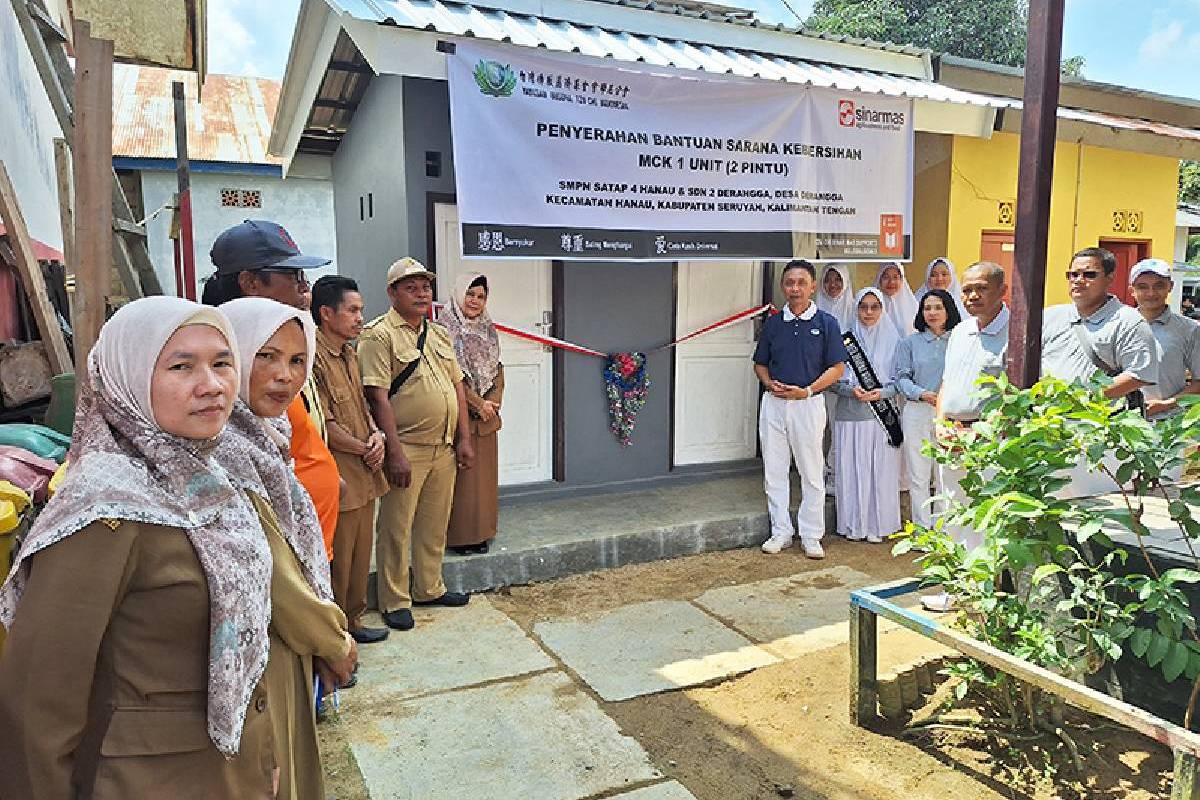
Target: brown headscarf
(124, 466)
(476, 342)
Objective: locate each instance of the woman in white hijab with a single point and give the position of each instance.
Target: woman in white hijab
(940, 274)
(138, 605)
(277, 343)
(836, 294)
(867, 467)
(900, 304)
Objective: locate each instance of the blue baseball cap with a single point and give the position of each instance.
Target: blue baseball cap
(259, 244)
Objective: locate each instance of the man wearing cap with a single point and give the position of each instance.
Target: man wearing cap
(415, 394)
(1097, 333)
(259, 258)
(1178, 338)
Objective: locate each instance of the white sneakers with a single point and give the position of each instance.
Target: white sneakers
(811, 547)
(777, 543)
(875, 539)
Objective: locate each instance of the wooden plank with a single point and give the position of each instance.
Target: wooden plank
(93, 191)
(1185, 785)
(183, 181)
(130, 228)
(863, 665)
(66, 218)
(1084, 697)
(47, 63)
(30, 273)
(133, 261)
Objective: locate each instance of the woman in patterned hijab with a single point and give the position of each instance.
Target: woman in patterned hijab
(308, 630)
(476, 508)
(139, 600)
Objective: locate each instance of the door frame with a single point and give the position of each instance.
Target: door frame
(557, 391)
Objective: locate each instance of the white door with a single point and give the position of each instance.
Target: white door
(715, 389)
(519, 296)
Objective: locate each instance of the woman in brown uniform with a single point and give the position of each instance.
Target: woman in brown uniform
(137, 607)
(474, 514)
(277, 344)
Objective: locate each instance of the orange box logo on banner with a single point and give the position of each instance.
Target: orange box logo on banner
(891, 234)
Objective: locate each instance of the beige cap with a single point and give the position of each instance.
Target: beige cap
(406, 268)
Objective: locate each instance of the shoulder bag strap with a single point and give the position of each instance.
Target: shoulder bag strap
(1085, 341)
(411, 367)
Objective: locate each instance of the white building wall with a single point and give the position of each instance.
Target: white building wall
(27, 132)
(303, 206)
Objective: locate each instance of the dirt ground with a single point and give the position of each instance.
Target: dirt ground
(784, 730)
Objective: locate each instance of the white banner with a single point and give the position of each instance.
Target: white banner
(556, 157)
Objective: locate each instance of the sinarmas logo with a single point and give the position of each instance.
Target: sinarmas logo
(495, 79)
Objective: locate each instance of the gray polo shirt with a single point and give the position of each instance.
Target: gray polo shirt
(920, 359)
(1119, 335)
(970, 354)
(1178, 341)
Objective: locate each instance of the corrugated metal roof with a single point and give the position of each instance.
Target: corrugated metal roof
(233, 124)
(385, 10)
(467, 20)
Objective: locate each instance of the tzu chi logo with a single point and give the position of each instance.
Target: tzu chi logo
(495, 79)
(846, 113)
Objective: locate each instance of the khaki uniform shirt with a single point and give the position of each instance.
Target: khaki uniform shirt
(340, 389)
(426, 407)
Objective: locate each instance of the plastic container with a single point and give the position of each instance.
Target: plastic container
(61, 414)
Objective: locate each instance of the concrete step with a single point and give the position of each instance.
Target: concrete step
(547, 539)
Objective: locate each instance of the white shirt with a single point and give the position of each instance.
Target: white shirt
(970, 354)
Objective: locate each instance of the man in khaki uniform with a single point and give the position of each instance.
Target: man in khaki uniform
(414, 390)
(356, 442)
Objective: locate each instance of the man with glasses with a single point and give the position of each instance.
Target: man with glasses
(1094, 333)
(414, 392)
(258, 258)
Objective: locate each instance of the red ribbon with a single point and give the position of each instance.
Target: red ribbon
(562, 344)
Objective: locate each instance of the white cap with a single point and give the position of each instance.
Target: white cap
(1155, 265)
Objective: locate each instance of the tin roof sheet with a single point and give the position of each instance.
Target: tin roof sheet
(468, 20)
(232, 124)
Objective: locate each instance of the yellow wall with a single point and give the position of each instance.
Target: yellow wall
(1089, 184)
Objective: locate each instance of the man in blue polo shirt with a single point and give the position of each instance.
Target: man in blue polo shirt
(799, 355)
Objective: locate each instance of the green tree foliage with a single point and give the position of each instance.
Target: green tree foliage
(1189, 182)
(991, 31)
(1073, 67)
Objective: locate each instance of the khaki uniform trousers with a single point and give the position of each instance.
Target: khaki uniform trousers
(352, 561)
(415, 518)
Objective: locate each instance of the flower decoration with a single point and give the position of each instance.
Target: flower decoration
(625, 383)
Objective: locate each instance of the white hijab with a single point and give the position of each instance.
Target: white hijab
(955, 289)
(841, 307)
(256, 319)
(901, 309)
(878, 341)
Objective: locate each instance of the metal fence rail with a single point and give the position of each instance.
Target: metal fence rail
(866, 605)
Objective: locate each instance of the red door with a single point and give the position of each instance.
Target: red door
(1128, 253)
(998, 247)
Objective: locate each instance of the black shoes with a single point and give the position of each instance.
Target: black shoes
(369, 635)
(452, 599)
(401, 619)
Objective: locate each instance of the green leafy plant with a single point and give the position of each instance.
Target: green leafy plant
(1067, 584)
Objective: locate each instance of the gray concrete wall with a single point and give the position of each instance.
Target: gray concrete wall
(616, 308)
(302, 205)
(370, 161)
(426, 129)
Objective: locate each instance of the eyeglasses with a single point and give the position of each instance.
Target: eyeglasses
(295, 274)
(1083, 274)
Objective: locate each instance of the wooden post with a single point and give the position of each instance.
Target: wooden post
(1185, 784)
(863, 665)
(30, 273)
(184, 198)
(1039, 124)
(66, 221)
(93, 185)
